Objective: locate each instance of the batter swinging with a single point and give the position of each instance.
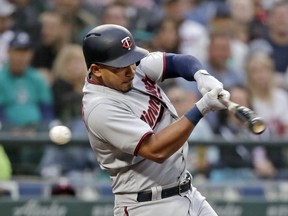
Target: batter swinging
(134, 129)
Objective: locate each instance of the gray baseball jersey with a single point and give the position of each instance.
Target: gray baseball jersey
(118, 122)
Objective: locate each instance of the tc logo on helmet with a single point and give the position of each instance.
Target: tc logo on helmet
(127, 43)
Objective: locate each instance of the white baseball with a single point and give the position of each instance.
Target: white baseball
(60, 134)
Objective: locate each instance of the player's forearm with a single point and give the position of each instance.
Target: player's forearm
(160, 146)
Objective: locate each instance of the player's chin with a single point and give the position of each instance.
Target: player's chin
(126, 87)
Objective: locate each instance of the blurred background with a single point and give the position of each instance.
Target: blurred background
(243, 43)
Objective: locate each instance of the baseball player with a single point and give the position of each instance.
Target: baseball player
(133, 128)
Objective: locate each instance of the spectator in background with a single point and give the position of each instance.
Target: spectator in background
(268, 100)
(69, 71)
(258, 27)
(235, 162)
(275, 42)
(5, 165)
(6, 11)
(219, 65)
(26, 102)
(245, 162)
(166, 36)
(193, 37)
(81, 19)
(230, 127)
(242, 14)
(55, 33)
(143, 16)
(278, 35)
(271, 103)
(115, 13)
(203, 11)
(24, 19)
(224, 23)
(219, 60)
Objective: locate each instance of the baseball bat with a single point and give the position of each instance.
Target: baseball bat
(247, 116)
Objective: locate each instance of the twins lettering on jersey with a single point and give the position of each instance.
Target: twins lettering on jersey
(155, 108)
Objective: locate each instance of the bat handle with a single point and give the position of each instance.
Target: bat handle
(229, 104)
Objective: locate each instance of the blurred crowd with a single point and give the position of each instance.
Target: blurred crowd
(243, 43)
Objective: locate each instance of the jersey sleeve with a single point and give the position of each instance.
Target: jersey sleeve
(153, 66)
(117, 125)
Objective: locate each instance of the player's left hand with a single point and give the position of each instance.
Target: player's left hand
(224, 94)
(210, 101)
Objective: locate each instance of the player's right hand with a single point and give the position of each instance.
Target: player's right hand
(210, 101)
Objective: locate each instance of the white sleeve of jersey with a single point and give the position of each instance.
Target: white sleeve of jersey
(153, 66)
(115, 124)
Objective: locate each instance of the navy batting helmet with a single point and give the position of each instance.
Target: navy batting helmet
(111, 45)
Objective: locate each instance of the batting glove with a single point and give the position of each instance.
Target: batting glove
(206, 82)
(210, 101)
